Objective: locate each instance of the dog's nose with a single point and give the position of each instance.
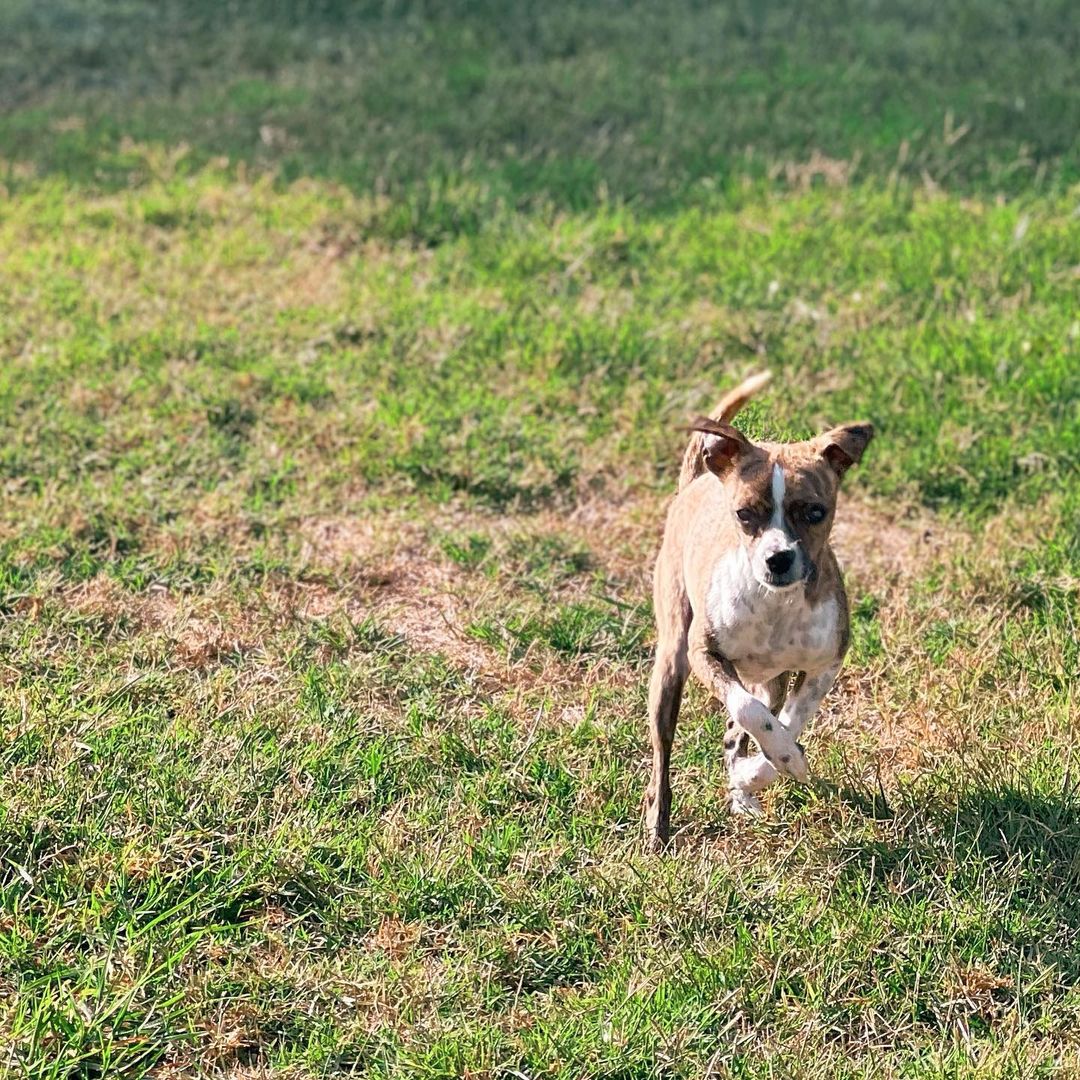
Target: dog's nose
(780, 562)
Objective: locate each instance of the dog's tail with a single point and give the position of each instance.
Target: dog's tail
(693, 464)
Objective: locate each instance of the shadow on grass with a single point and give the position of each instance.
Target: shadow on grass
(973, 892)
(87, 82)
(1007, 840)
(1005, 825)
(1007, 852)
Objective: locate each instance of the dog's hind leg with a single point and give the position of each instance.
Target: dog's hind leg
(670, 670)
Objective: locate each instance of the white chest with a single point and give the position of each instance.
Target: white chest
(764, 631)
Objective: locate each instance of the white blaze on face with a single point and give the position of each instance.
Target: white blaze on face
(777, 498)
(775, 538)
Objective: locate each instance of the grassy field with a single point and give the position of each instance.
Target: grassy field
(344, 350)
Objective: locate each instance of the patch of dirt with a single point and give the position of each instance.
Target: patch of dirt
(202, 641)
(880, 549)
(195, 639)
(342, 542)
(399, 576)
(625, 536)
(432, 616)
(100, 597)
(395, 937)
(199, 637)
(411, 592)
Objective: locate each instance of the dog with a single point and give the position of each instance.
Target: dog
(748, 596)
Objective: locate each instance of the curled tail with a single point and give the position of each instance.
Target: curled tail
(693, 465)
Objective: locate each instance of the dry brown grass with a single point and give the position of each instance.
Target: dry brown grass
(879, 547)
(390, 569)
(399, 577)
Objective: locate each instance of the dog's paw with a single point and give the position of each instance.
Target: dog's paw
(783, 752)
(745, 804)
(776, 741)
(752, 774)
(655, 844)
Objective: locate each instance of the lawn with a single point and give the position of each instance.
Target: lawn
(344, 356)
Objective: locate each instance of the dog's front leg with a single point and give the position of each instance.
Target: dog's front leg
(751, 775)
(778, 745)
(810, 690)
(665, 694)
(665, 689)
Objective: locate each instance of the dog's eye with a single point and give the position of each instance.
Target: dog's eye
(745, 515)
(815, 514)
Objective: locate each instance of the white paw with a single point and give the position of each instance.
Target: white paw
(752, 774)
(742, 802)
(776, 741)
(780, 747)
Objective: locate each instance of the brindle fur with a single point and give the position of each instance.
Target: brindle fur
(770, 652)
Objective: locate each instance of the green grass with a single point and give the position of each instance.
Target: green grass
(550, 103)
(344, 357)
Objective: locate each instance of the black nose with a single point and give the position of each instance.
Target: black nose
(780, 563)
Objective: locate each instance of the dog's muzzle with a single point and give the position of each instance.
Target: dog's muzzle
(784, 568)
(780, 562)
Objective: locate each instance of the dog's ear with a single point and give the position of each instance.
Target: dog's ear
(722, 444)
(843, 446)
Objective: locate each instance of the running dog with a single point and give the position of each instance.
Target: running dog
(749, 597)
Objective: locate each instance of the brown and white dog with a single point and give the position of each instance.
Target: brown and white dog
(749, 597)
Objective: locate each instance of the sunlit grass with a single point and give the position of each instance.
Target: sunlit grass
(329, 507)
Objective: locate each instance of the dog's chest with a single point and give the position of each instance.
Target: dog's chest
(764, 632)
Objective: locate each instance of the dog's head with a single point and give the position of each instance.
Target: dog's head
(783, 496)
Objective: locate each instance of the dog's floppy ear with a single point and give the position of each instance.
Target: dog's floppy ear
(843, 446)
(721, 445)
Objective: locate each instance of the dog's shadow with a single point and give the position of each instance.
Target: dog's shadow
(1009, 852)
(1007, 848)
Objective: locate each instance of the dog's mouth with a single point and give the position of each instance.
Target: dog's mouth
(802, 572)
(781, 581)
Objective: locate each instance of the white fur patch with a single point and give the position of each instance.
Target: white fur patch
(775, 538)
(765, 631)
(752, 774)
(778, 487)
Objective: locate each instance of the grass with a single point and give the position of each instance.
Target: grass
(345, 353)
(545, 103)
